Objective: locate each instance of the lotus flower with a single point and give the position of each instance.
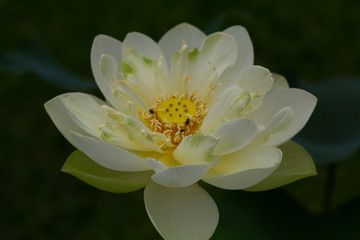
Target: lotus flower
(190, 107)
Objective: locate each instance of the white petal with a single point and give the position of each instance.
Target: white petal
(245, 57)
(217, 53)
(105, 45)
(113, 135)
(143, 44)
(177, 176)
(256, 79)
(234, 135)
(278, 123)
(105, 122)
(172, 40)
(121, 93)
(61, 117)
(182, 64)
(138, 132)
(296, 163)
(86, 112)
(197, 149)
(187, 213)
(231, 104)
(279, 82)
(149, 49)
(147, 92)
(156, 165)
(145, 77)
(108, 155)
(244, 168)
(302, 102)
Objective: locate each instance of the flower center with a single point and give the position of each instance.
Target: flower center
(176, 110)
(175, 116)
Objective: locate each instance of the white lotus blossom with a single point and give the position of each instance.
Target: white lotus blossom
(190, 107)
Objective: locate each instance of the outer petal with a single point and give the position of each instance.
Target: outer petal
(60, 115)
(108, 155)
(85, 110)
(178, 176)
(302, 102)
(82, 167)
(99, 120)
(295, 164)
(181, 213)
(109, 46)
(234, 135)
(197, 149)
(172, 40)
(244, 168)
(81, 113)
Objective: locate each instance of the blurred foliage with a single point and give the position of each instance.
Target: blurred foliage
(33, 57)
(335, 186)
(333, 132)
(316, 40)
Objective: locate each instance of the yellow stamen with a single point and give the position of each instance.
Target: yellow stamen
(175, 116)
(176, 110)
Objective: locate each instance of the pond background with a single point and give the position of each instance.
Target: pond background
(45, 51)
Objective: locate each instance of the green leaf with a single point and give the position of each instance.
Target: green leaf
(82, 167)
(295, 164)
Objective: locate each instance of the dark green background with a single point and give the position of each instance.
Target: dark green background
(312, 40)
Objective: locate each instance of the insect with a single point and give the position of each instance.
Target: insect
(187, 121)
(151, 111)
(182, 130)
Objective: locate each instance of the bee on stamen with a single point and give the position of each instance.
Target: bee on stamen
(182, 130)
(187, 121)
(151, 111)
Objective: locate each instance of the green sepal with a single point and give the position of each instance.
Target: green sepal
(85, 169)
(296, 164)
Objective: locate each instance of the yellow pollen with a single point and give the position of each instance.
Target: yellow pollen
(176, 110)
